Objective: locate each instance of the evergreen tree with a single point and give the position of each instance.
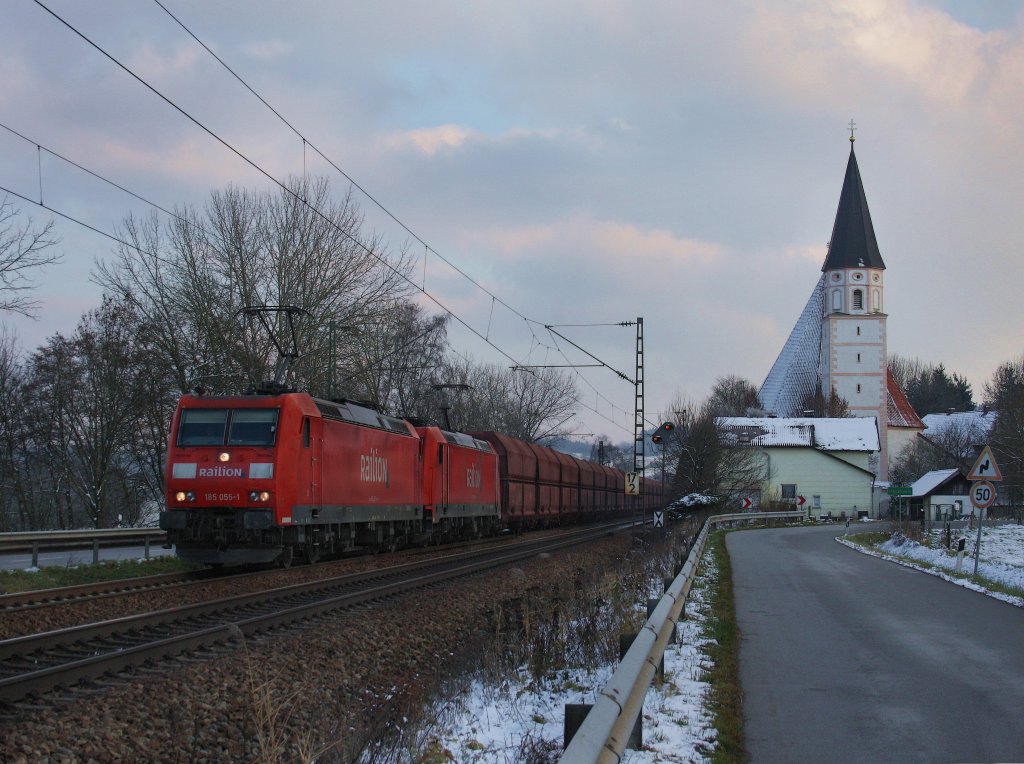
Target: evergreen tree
(930, 388)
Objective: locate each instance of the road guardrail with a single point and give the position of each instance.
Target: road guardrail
(38, 541)
(603, 736)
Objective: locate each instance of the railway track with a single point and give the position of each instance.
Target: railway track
(36, 664)
(41, 598)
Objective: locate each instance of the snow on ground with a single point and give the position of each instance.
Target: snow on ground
(495, 725)
(1002, 557)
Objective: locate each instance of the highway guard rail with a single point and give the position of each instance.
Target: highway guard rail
(38, 541)
(604, 734)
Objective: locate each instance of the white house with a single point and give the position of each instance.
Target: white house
(818, 464)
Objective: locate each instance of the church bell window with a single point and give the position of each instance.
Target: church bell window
(858, 299)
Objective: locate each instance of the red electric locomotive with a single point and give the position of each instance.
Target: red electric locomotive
(258, 478)
(460, 483)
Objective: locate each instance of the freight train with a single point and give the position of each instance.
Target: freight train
(270, 478)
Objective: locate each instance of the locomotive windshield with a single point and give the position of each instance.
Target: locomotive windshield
(231, 427)
(252, 427)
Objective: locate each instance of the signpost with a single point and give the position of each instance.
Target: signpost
(659, 519)
(632, 483)
(896, 491)
(983, 493)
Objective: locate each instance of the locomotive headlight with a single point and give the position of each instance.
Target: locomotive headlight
(180, 496)
(264, 495)
(259, 495)
(224, 456)
(185, 496)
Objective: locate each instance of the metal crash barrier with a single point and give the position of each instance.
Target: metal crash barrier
(37, 541)
(604, 734)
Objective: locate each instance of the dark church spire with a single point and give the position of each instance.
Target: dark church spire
(853, 242)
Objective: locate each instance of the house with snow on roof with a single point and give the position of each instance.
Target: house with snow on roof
(820, 465)
(939, 495)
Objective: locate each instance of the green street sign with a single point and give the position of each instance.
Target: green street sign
(900, 490)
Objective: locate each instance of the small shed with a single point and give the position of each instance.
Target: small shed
(940, 495)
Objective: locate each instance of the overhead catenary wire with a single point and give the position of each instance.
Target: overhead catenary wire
(256, 166)
(349, 178)
(427, 249)
(170, 213)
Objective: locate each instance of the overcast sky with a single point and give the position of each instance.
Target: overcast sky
(587, 162)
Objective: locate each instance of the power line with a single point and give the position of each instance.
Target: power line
(427, 248)
(253, 164)
(349, 178)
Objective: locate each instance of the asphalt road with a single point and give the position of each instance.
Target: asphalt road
(848, 658)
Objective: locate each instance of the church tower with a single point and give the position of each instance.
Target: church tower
(852, 358)
(839, 340)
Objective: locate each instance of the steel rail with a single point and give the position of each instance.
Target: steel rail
(605, 731)
(110, 658)
(39, 598)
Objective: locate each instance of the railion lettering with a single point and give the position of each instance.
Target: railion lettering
(220, 472)
(373, 468)
(473, 477)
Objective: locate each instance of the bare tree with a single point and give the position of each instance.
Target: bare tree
(529, 405)
(733, 396)
(1005, 393)
(617, 455)
(300, 247)
(23, 249)
(954, 446)
(85, 395)
(708, 460)
(395, 360)
(834, 406)
(25, 498)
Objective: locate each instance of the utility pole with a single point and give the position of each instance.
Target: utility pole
(638, 422)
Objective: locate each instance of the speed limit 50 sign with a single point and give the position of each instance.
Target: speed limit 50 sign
(983, 493)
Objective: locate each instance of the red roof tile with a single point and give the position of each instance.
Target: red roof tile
(901, 413)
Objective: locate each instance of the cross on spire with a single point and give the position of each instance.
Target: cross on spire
(853, 126)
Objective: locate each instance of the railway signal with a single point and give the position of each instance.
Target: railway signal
(662, 431)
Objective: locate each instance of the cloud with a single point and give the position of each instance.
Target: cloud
(430, 140)
(267, 50)
(839, 53)
(609, 240)
(156, 65)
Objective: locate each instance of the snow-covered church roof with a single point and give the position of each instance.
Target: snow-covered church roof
(794, 375)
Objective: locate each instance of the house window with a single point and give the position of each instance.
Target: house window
(789, 491)
(816, 502)
(858, 299)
